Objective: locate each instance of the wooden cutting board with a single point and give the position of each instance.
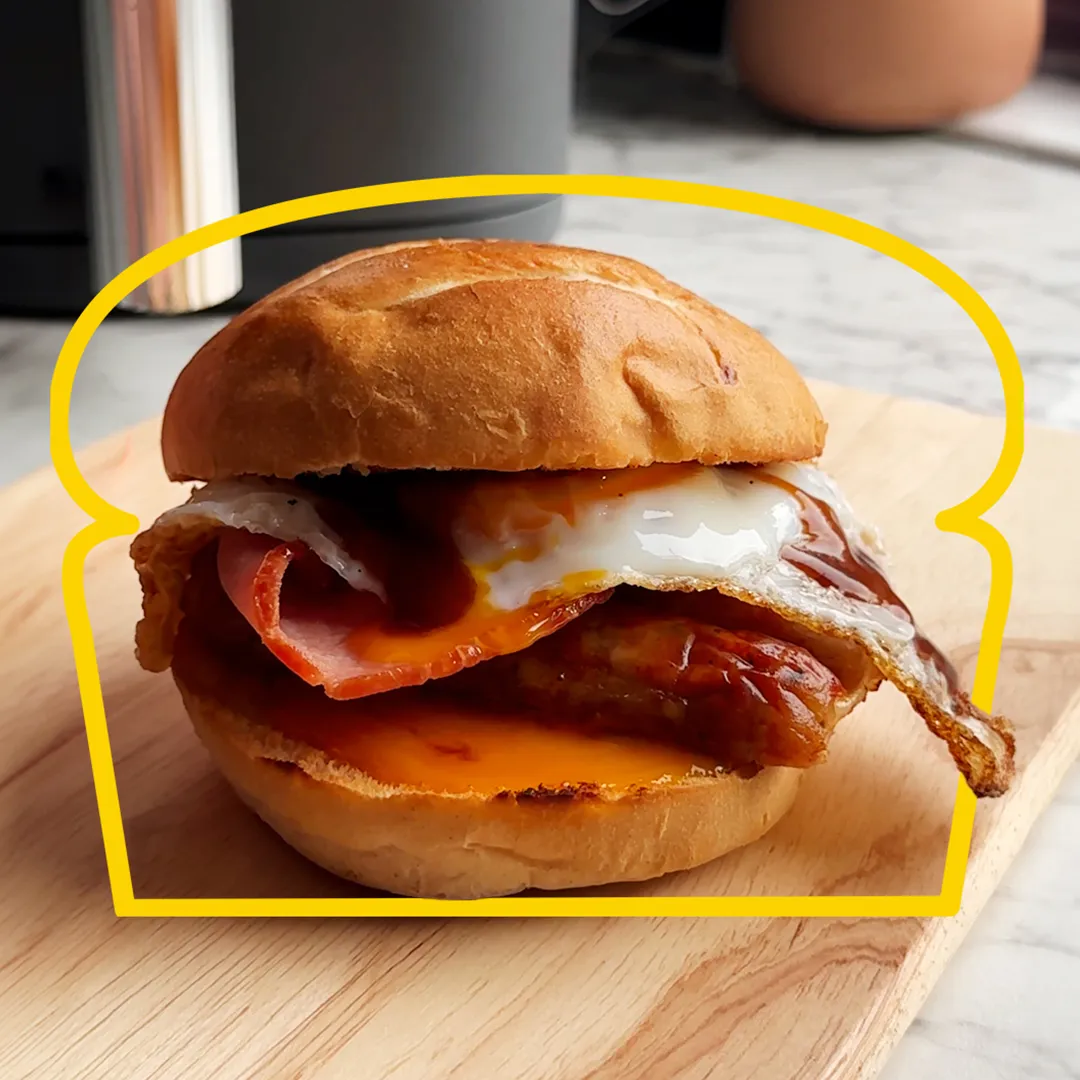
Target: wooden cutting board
(83, 994)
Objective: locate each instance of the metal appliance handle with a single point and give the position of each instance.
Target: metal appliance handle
(162, 129)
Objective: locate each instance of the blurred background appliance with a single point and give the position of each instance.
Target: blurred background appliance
(340, 93)
(228, 104)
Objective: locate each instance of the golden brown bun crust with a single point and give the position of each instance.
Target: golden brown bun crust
(419, 843)
(483, 354)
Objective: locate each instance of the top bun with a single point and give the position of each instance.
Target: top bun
(483, 354)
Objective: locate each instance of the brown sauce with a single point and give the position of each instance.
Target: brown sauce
(426, 582)
(823, 553)
(400, 529)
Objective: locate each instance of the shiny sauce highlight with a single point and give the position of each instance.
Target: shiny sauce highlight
(823, 554)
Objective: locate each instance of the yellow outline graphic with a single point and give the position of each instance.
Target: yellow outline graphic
(109, 521)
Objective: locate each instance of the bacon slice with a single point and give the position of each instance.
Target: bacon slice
(335, 637)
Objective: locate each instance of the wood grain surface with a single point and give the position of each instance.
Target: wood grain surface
(83, 994)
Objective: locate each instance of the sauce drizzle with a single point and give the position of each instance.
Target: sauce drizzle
(824, 555)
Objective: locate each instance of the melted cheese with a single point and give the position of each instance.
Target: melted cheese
(437, 747)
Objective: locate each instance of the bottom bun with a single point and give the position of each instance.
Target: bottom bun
(465, 846)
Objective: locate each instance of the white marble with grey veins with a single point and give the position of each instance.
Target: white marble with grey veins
(1008, 1007)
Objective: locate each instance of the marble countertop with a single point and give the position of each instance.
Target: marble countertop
(1007, 1005)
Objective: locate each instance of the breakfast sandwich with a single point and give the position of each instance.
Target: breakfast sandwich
(509, 566)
